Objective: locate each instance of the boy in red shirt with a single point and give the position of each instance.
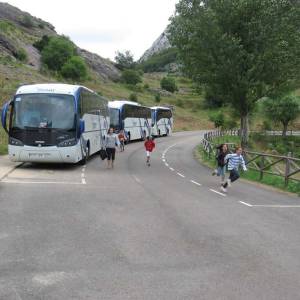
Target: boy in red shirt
(149, 146)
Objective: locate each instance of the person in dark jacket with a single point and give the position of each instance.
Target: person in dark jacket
(221, 163)
(149, 146)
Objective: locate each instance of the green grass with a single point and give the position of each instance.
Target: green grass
(252, 175)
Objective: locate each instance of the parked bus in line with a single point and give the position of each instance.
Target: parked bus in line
(55, 123)
(131, 117)
(162, 121)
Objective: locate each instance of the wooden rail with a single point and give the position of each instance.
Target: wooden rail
(284, 166)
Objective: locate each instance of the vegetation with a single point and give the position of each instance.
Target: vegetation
(21, 55)
(284, 110)
(218, 119)
(42, 43)
(57, 52)
(131, 77)
(159, 62)
(242, 50)
(27, 21)
(169, 84)
(133, 97)
(124, 60)
(75, 68)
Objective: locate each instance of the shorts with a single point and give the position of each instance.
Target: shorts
(111, 152)
(148, 153)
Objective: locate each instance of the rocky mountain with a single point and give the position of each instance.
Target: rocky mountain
(160, 44)
(19, 30)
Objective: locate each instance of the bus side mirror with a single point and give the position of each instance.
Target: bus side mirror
(81, 126)
(4, 115)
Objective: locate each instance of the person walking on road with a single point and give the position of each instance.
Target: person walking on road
(149, 146)
(234, 160)
(221, 164)
(111, 142)
(122, 139)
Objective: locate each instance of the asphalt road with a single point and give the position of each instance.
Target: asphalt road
(138, 232)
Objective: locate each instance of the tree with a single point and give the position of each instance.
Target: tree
(284, 110)
(168, 84)
(218, 119)
(124, 60)
(131, 77)
(242, 50)
(57, 52)
(75, 68)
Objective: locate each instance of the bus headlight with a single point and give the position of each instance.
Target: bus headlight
(15, 142)
(67, 143)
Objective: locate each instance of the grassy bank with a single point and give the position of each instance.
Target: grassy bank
(252, 175)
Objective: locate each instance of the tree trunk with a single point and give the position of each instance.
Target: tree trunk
(285, 127)
(244, 134)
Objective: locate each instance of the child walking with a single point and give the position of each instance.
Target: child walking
(149, 146)
(221, 163)
(122, 139)
(234, 161)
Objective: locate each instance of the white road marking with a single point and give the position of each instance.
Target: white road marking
(195, 182)
(82, 175)
(181, 175)
(277, 206)
(163, 160)
(171, 169)
(166, 164)
(38, 182)
(214, 191)
(245, 203)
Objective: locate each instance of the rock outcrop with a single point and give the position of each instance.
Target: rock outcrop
(161, 43)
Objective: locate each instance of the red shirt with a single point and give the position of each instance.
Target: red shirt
(149, 145)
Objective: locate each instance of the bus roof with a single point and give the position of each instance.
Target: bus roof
(160, 107)
(55, 88)
(120, 103)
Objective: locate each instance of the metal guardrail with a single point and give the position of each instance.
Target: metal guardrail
(287, 166)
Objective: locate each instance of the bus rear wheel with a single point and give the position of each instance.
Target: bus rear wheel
(86, 155)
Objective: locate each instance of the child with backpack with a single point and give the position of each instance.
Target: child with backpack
(221, 164)
(234, 160)
(149, 146)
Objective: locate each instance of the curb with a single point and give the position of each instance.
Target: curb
(10, 171)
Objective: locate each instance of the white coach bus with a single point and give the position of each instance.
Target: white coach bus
(55, 123)
(131, 117)
(162, 120)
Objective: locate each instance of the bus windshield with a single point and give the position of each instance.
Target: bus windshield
(44, 111)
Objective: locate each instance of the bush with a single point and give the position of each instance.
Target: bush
(131, 77)
(27, 21)
(211, 100)
(133, 97)
(169, 84)
(229, 124)
(21, 55)
(157, 98)
(42, 43)
(158, 61)
(218, 119)
(75, 68)
(58, 51)
(146, 86)
(124, 60)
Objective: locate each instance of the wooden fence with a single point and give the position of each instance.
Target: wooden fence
(278, 165)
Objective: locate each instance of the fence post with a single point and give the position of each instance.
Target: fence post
(262, 164)
(287, 170)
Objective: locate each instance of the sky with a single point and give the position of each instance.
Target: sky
(105, 26)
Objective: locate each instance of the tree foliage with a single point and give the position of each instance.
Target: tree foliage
(131, 77)
(124, 60)
(169, 84)
(241, 49)
(42, 43)
(284, 110)
(75, 68)
(57, 52)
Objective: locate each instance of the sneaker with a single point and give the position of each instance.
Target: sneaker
(148, 164)
(223, 189)
(229, 182)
